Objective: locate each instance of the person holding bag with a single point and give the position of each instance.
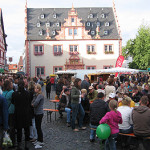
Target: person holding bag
(37, 103)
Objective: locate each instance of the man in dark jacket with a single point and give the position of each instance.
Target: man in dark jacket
(85, 84)
(3, 117)
(141, 120)
(98, 109)
(136, 95)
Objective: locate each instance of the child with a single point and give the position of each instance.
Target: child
(112, 118)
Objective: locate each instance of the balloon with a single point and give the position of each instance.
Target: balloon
(103, 131)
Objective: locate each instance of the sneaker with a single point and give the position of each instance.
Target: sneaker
(38, 146)
(39, 143)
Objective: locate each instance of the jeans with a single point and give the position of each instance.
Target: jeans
(38, 122)
(77, 108)
(68, 110)
(110, 143)
(126, 131)
(33, 132)
(92, 132)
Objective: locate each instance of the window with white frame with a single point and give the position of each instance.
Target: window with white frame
(53, 33)
(90, 67)
(42, 16)
(91, 16)
(72, 20)
(54, 16)
(47, 24)
(70, 31)
(105, 32)
(75, 31)
(108, 67)
(108, 48)
(38, 24)
(98, 24)
(73, 48)
(57, 48)
(93, 32)
(40, 71)
(91, 49)
(57, 68)
(57, 24)
(103, 15)
(40, 32)
(107, 24)
(38, 49)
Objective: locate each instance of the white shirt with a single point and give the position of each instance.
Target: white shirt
(126, 113)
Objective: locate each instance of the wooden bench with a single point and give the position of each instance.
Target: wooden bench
(49, 113)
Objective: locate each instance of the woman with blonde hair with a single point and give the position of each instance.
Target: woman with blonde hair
(37, 103)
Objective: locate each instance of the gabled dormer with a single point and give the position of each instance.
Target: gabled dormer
(38, 24)
(90, 14)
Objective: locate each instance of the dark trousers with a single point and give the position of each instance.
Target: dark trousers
(1, 137)
(48, 94)
(12, 128)
(38, 121)
(26, 132)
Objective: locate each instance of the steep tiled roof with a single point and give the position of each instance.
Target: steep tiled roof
(20, 61)
(34, 16)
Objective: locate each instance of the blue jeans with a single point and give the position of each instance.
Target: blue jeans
(126, 131)
(77, 108)
(68, 110)
(92, 132)
(110, 143)
(33, 132)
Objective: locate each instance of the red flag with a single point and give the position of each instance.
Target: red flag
(119, 63)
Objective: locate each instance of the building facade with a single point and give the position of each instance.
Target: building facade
(3, 45)
(71, 38)
(13, 68)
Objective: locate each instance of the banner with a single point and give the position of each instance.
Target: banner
(119, 63)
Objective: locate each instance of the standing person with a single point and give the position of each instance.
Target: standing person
(85, 84)
(110, 88)
(76, 104)
(7, 93)
(112, 118)
(52, 80)
(33, 132)
(98, 109)
(3, 117)
(41, 83)
(141, 121)
(15, 85)
(21, 101)
(37, 103)
(1, 84)
(59, 87)
(48, 88)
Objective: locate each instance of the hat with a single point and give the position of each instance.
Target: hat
(65, 90)
(91, 87)
(112, 95)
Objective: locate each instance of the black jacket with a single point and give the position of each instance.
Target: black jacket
(63, 102)
(136, 98)
(98, 109)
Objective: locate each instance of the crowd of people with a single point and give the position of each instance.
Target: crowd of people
(123, 103)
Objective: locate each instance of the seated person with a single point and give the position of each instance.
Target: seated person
(141, 120)
(98, 109)
(146, 89)
(132, 103)
(126, 112)
(136, 95)
(64, 105)
(92, 94)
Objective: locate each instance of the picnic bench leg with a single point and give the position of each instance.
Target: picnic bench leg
(47, 116)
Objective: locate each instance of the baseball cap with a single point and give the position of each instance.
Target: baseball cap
(112, 95)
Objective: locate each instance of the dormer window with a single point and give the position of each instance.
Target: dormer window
(88, 24)
(93, 32)
(38, 24)
(103, 15)
(54, 16)
(54, 33)
(105, 32)
(47, 24)
(98, 24)
(91, 16)
(40, 32)
(42, 16)
(57, 24)
(107, 24)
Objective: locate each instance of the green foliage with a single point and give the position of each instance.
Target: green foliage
(139, 49)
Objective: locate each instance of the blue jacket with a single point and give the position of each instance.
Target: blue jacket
(3, 112)
(8, 96)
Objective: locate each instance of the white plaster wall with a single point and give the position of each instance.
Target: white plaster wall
(49, 60)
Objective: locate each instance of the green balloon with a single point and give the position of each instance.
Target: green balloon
(103, 131)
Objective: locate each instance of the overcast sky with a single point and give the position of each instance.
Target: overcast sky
(131, 14)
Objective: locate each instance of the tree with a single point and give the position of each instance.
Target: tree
(139, 49)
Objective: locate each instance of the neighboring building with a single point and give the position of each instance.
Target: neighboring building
(13, 68)
(69, 38)
(20, 64)
(3, 45)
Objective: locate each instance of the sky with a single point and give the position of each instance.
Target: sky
(131, 14)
